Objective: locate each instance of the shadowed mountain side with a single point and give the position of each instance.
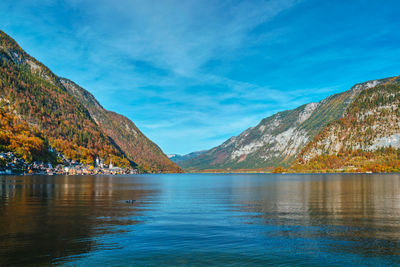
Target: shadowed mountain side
(136, 146)
(182, 158)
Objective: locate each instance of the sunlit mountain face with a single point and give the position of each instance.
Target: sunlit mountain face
(356, 130)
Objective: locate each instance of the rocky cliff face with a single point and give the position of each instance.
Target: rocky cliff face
(70, 118)
(369, 127)
(278, 139)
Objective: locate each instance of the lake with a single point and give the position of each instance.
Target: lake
(200, 219)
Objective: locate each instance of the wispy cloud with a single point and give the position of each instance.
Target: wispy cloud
(182, 35)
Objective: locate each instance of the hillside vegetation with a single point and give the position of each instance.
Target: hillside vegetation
(24, 141)
(41, 99)
(366, 138)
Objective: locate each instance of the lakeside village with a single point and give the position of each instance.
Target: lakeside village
(11, 164)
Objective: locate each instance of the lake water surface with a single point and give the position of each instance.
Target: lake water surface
(200, 219)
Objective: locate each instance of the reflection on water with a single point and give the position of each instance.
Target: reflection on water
(343, 213)
(43, 217)
(200, 219)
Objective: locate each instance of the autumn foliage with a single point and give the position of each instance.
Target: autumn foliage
(23, 140)
(36, 95)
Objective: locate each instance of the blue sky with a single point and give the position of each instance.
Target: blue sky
(191, 74)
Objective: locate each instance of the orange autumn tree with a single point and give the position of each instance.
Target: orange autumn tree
(23, 140)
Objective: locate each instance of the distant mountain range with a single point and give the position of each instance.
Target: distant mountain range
(178, 159)
(328, 135)
(41, 112)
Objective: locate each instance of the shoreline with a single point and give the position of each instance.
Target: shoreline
(126, 174)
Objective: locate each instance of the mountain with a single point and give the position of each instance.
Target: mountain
(277, 140)
(68, 118)
(366, 138)
(136, 146)
(182, 158)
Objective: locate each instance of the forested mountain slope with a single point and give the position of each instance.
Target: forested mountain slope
(136, 146)
(40, 99)
(366, 138)
(24, 140)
